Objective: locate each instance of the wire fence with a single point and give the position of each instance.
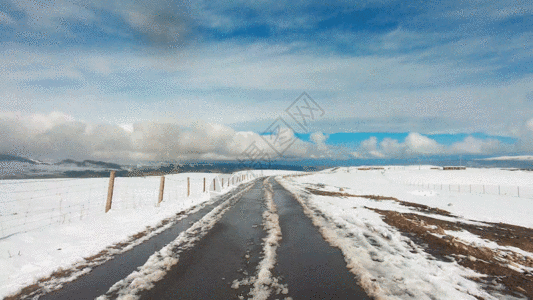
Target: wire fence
(27, 205)
(488, 189)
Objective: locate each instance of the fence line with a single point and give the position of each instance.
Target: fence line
(488, 189)
(33, 204)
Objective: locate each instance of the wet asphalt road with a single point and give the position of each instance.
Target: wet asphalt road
(310, 267)
(102, 277)
(207, 270)
(306, 262)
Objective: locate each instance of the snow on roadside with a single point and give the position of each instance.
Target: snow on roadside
(79, 242)
(71, 273)
(161, 261)
(387, 264)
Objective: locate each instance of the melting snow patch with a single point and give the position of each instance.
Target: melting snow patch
(263, 283)
(387, 264)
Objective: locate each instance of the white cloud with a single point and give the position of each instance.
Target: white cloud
(526, 137)
(391, 147)
(369, 149)
(258, 76)
(320, 140)
(416, 144)
(49, 15)
(5, 19)
(419, 144)
(59, 136)
(472, 145)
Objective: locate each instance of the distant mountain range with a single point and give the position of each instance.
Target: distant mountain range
(66, 162)
(7, 157)
(18, 167)
(31, 168)
(89, 163)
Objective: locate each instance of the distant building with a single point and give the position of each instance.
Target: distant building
(454, 168)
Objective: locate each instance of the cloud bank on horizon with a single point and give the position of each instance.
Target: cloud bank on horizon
(57, 136)
(134, 80)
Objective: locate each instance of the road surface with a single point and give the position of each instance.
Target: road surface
(223, 260)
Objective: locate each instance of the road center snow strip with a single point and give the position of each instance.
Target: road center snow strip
(265, 283)
(161, 261)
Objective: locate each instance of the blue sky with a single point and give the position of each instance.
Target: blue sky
(454, 73)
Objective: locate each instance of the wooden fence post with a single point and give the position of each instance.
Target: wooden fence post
(188, 186)
(204, 184)
(110, 191)
(518, 188)
(214, 185)
(161, 189)
(222, 184)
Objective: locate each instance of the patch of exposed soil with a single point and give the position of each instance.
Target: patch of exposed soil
(97, 256)
(500, 233)
(30, 289)
(418, 207)
(495, 264)
(505, 235)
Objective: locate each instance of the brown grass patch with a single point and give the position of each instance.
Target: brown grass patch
(25, 291)
(139, 235)
(426, 209)
(95, 257)
(418, 207)
(61, 273)
(481, 259)
(500, 233)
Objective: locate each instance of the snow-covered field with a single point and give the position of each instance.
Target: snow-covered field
(52, 224)
(415, 232)
(408, 234)
(516, 157)
(448, 190)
